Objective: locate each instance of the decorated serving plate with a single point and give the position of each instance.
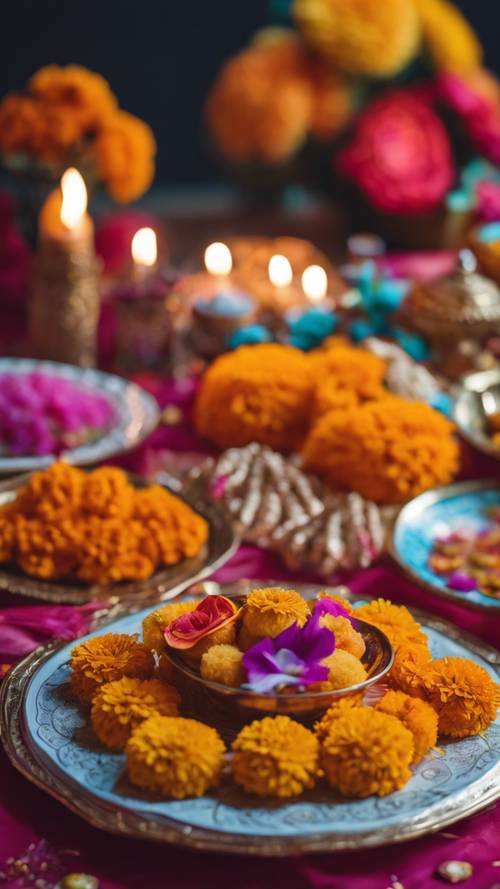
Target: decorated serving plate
(163, 584)
(433, 515)
(135, 414)
(45, 736)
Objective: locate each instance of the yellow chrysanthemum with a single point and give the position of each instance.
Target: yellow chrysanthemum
(125, 150)
(345, 669)
(407, 671)
(223, 663)
(275, 756)
(106, 658)
(395, 621)
(268, 612)
(153, 625)
(448, 37)
(119, 706)
(335, 710)
(366, 752)
(174, 757)
(464, 695)
(418, 717)
(257, 393)
(364, 37)
(346, 637)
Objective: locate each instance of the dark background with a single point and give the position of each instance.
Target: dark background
(160, 57)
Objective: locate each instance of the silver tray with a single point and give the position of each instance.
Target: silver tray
(478, 396)
(163, 584)
(136, 414)
(44, 742)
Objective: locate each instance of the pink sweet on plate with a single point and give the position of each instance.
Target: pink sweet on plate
(211, 614)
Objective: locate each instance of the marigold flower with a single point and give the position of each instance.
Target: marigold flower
(410, 663)
(269, 611)
(108, 493)
(332, 102)
(338, 708)
(257, 393)
(345, 669)
(417, 716)
(275, 756)
(153, 625)
(76, 91)
(347, 377)
(125, 149)
(366, 752)
(464, 695)
(106, 658)
(174, 757)
(223, 663)
(340, 600)
(388, 451)
(395, 621)
(448, 37)
(400, 156)
(119, 706)
(346, 637)
(360, 36)
(51, 494)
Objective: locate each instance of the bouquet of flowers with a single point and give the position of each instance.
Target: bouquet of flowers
(395, 91)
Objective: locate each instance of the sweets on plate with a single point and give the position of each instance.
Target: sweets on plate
(469, 559)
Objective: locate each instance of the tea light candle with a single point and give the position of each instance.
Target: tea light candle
(315, 283)
(64, 304)
(281, 276)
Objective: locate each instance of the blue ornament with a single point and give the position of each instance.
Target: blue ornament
(250, 335)
(309, 328)
(442, 402)
(413, 345)
(360, 329)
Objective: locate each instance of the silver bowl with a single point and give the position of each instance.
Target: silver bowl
(477, 399)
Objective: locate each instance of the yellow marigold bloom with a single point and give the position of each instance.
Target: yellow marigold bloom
(332, 102)
(275, 756)
(257, 393)
(170, 529)
(417, 716)
(52, 494)
(337, 598)
(106, 658)
(448, 37)
(153, 625)
(223, 663)
(346, 637)
(364, 37)
(77, 91)
(389, 451)
(407, 672)
(28, 127)
(331, 395)
(125, 149)
(351, 367)
(395, 621)
(108, 493)
(119, 706)
(41, 550)
(260, 106)
(345, 669)
(174, 757)
(464, 695)
(338, 708)
(366, 752)
(269, 611)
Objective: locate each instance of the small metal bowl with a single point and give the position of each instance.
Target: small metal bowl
(477, 399)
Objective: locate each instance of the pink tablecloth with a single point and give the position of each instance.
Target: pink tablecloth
(27, 816)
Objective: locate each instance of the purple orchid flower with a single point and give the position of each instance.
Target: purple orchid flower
(292, 658)
(329, 606)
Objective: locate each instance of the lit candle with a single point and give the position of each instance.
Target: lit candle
(144, 250)
(64, 305)
(281, 276)
(315, 283)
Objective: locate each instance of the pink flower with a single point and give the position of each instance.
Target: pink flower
(488, 201)
(459, 95)
(211, 614)
(479, 112)
(400, 157)
(484, 130)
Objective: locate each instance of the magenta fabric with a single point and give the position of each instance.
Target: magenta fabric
(27, 815)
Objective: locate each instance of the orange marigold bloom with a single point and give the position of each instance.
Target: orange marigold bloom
(125, 149)
(407, 672)
(366, 752)
(269, 611)
(389, 451)
(338, 708)
(275, 756)
(448, 37)
(174, 757)
(337, 598)
(257, 393)
(224, 664)
(418, 717)
(76, 91)
(106, 658)
(364, 37)
(108, 493)
(346, 637)
(332, 102)
(347, 377)
(395, 621)
(464, 695)
(119, 706)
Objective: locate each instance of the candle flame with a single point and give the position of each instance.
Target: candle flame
(315, 283)
(218, 259)
(144, 247)
(74, 198)
(280, 271)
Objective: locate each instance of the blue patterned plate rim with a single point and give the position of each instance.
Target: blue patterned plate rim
(412, 535)
(445, 787)
(136, 412)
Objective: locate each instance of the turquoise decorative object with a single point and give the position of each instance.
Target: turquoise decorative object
(250, 335)
(309, 328)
